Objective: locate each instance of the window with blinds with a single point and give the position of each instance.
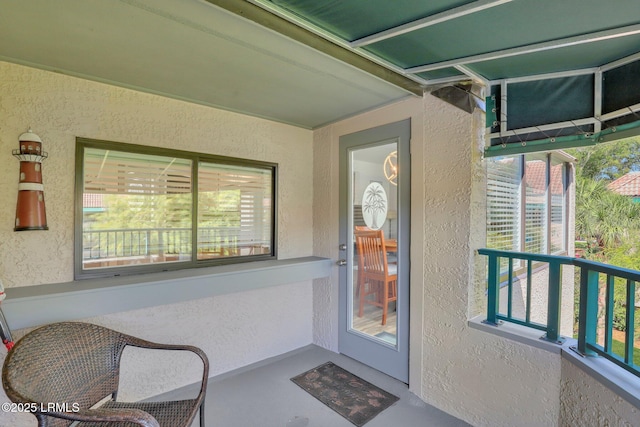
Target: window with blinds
(536, 203)
(503, 203)
(558, 207)
(141, 209)
(526, 203)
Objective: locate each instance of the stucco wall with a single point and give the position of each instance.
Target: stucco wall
(234, 330)
(483, 379)
(587, 403)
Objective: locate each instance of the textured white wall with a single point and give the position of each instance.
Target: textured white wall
(483, 379)
(325, 237)
(587, 403)
(234, 330)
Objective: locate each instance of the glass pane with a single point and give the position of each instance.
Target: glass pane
(374, 210)
(504, 202)
(136, 209)
(234, 211)
(535, 240)
(558, 206)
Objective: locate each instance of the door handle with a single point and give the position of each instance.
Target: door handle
(341, 262)
(342, 247)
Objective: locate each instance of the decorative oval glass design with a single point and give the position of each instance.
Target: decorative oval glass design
(374, 205)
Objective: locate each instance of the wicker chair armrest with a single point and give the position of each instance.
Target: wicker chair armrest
(109, 415)
(137, 342)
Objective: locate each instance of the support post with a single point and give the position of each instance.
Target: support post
(588, 311)
(554, 303)
(493, 289)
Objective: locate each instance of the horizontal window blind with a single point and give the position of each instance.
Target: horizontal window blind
(535, 206)
(503, 203)
(558, 206)
(116, 172)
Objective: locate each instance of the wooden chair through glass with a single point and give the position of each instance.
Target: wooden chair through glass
(377, 280)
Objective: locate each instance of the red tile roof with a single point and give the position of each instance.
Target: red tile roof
(536, 176)
(627, 185)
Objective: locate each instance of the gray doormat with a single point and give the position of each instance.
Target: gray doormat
(350, 396)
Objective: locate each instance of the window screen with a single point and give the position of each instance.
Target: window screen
(503, 203)
(535, 240)
(557, 225)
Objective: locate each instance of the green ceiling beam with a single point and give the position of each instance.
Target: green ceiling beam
(563, 142)
(549, 144)
(280, 25)
(614, 33)
(447, 15)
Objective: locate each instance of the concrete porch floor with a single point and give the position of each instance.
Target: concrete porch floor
(262, 395)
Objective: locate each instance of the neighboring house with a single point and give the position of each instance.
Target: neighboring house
(627, 185)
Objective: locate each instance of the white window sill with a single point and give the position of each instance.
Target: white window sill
(621, 382)
(30, 306)
(618, 380)
(522, 334)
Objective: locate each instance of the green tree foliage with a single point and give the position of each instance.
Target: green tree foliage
(608, 161)
(130, 211)
(164, 221)
(219, 208)
(610, 224)
(144, 211)
(627, 256)
(603, 218)
(607, 221)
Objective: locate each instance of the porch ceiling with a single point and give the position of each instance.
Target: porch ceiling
(308, 63)
(193, 51)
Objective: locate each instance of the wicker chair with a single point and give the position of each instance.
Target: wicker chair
(79, 363)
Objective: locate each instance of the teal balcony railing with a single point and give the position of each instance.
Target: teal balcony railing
(596, 306)
(596, 280)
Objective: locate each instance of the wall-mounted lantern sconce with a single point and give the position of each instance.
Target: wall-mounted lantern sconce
(30, 211)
